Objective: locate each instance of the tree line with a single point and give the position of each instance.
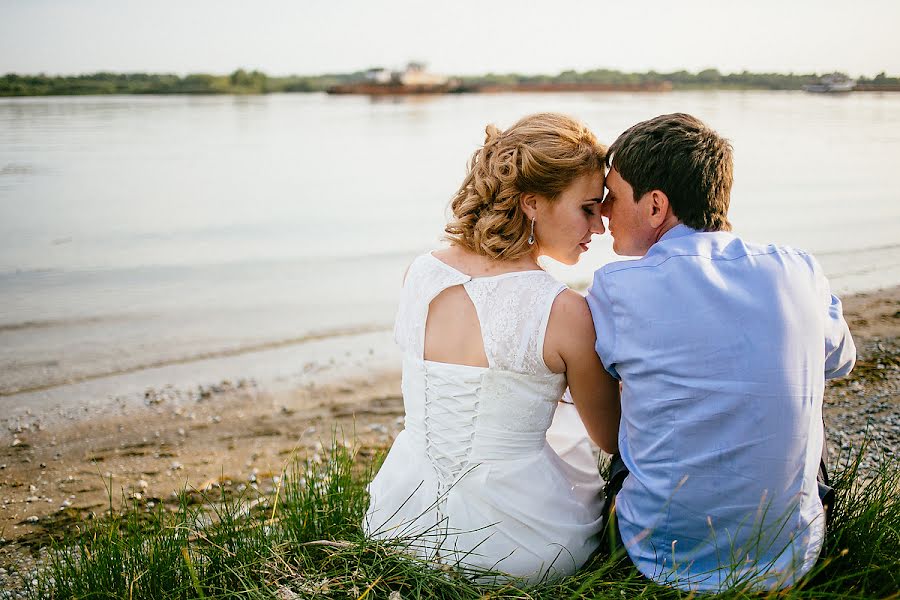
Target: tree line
(706, 79)
(255, 82)
(238, 82)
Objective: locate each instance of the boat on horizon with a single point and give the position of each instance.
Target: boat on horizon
(415, 79)
(834, 83)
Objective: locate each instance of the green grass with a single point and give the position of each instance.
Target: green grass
(307, 542)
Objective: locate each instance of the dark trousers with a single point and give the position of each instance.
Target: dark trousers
(612, 539)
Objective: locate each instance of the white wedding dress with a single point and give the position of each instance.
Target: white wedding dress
(472, 481)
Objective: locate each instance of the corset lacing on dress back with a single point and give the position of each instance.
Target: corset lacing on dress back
(451, 411)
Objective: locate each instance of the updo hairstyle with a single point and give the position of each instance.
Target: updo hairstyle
(541, 154)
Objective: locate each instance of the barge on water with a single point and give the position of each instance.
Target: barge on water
(655, 86)
(415, 80)
(835, 83)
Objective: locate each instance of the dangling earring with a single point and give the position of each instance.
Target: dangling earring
(531, 237)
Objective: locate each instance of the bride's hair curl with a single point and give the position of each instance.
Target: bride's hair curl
(541, 154)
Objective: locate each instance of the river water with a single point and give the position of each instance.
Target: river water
(139, 232)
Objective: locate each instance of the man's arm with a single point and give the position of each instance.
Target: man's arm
(840, 351)
(601, 307)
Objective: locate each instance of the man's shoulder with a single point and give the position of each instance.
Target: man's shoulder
(729, 245)
(712, 246)
(716, 245)
(696, 257)
(772, 257)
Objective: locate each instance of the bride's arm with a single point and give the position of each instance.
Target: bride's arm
(569, 343)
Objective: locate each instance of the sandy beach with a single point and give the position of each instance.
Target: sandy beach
(240, 434)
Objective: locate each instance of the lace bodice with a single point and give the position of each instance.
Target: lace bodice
(462, 415)
(512, 308)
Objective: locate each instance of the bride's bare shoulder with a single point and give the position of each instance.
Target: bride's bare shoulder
(450, 253)
(570, 330)
(460, 259)
(570, 308)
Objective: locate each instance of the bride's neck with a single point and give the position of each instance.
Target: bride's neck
(477, 265)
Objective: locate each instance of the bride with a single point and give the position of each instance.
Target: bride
(490, 343)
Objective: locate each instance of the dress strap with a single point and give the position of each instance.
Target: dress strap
(426, 278)
(513, 312)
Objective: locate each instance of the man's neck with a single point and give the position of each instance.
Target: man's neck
(666, 226)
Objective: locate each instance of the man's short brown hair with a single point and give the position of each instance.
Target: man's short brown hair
(682, 157)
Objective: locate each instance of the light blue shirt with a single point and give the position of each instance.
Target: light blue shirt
(722, 348)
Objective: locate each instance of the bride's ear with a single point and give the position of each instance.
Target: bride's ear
(528, 202)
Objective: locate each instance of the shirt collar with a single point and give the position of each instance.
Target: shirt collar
(678, 231)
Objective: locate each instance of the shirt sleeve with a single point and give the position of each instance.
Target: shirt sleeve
(840, 351)
(601, 306)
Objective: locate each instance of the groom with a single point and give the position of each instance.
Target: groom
(722, 347)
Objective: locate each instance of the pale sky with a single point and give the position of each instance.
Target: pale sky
(283, 37)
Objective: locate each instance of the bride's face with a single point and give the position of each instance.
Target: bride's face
(563, 229)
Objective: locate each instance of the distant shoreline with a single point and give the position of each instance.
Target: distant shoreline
(243, 82)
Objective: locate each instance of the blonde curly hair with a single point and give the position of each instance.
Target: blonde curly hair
(541, 154)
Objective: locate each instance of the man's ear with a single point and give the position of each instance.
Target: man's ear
(658, 208)
(528, 202)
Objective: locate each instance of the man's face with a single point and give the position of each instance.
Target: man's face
(628, 220)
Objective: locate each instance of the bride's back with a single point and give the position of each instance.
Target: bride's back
(495, 320)
(453, 331)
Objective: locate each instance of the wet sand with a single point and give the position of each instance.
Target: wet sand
(56, 472)
(234, 436)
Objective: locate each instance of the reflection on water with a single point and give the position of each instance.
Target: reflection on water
(209, 221)
(135, 180)
(127, 181)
